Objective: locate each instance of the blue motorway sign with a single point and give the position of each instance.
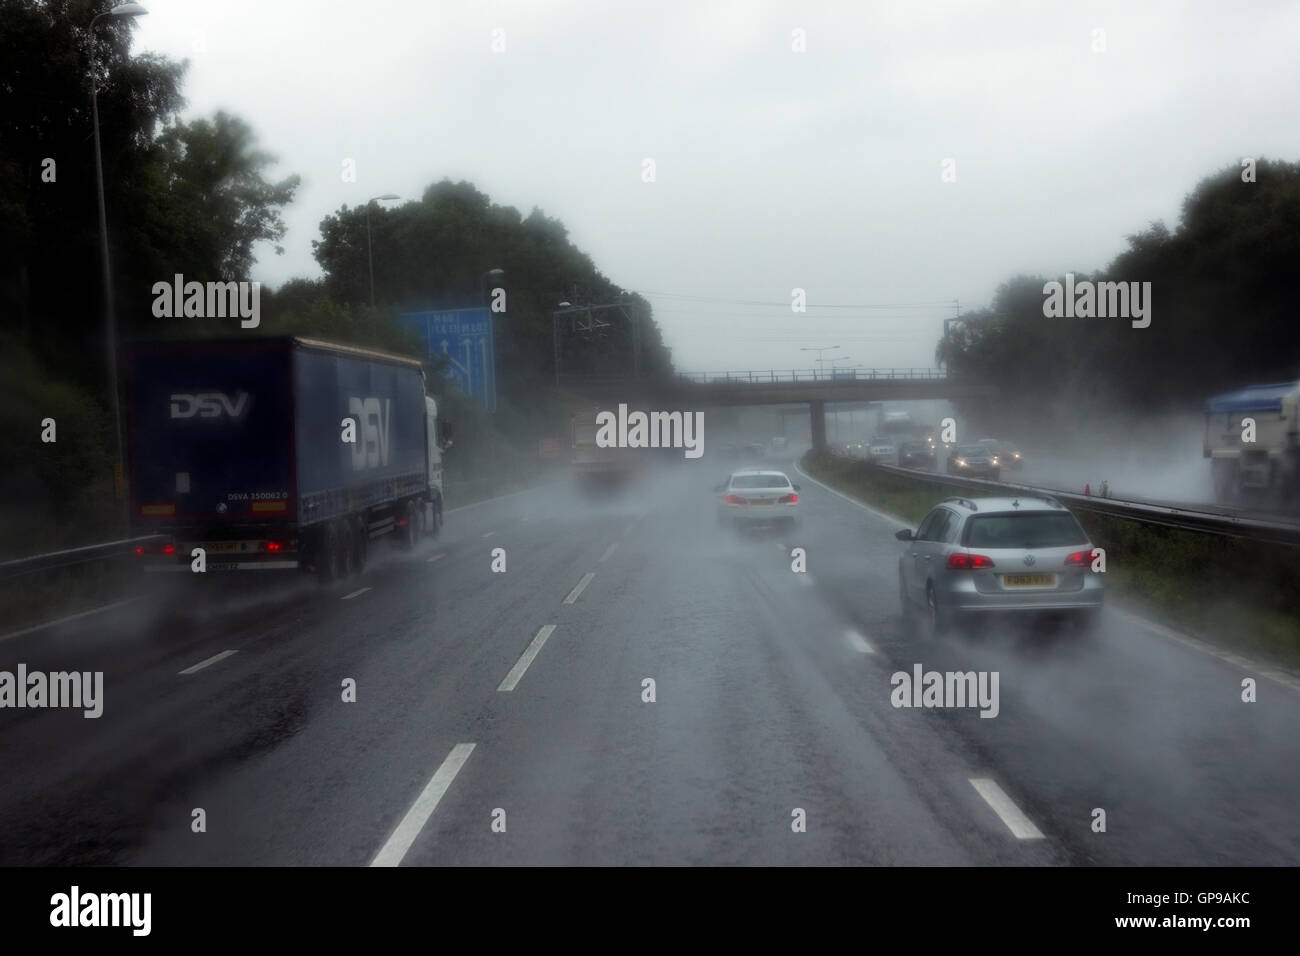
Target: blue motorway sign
(464, 336)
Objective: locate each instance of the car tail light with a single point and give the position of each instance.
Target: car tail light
(1080, 559)
(788, 499)
(961, 561)
(169, 548)
(273, 546)
(735, 500)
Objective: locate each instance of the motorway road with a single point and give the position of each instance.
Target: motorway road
(772, 694)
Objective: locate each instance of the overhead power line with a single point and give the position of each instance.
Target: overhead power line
(927, 304)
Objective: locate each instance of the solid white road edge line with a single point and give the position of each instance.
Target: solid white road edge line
(65, 620)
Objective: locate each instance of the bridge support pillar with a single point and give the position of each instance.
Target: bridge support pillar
(817, 416)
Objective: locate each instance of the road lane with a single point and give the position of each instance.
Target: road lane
(766, 704)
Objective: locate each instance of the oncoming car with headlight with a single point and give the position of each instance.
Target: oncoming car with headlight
(974, 461)
(973, 556)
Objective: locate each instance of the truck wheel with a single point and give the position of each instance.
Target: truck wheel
(360, 544)
(326, 546)
(411, 535)
(343, 549)
(435, 517)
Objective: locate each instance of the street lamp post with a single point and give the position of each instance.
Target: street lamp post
(110, 313)
(490, 274)
(370, 252)
(819, 352)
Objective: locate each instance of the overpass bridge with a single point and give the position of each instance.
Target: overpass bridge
(693, 391)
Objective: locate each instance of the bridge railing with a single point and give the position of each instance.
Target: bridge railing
(830, 376)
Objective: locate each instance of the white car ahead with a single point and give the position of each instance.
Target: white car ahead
(756, 495)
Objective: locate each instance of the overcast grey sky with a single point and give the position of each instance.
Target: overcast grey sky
(775, 169)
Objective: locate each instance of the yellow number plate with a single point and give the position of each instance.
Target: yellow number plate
(1028, 580)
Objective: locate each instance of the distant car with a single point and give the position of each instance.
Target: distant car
(974, 461)
(882, 450)
(972, 556)
(1008, 454)
(756, 495)
(916, 454)
(754, 451)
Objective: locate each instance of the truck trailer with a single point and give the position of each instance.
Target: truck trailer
(279, 453)
(1257, 465)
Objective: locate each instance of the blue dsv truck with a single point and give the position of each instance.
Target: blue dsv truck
(242, 448)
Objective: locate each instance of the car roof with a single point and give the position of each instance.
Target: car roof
(760, 471)
(1006, 504)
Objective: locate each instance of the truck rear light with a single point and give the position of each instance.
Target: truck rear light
(1080, 559)
(735, 500)
(789, 499)
(167, 547)
(961, 561)
(273, 546)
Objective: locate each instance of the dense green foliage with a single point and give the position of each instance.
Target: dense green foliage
(1223, 311)
(435, 253)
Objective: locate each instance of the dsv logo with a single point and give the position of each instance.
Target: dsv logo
(209, 405)
(372, 450)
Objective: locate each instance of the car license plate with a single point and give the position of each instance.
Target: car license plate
(764, 501)
(1029, 580)
(213, 547)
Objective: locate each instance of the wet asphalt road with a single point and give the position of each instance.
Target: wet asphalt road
(772, 696)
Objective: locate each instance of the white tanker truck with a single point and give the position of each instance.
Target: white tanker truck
(1252, 438)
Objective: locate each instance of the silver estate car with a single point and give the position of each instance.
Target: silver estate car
(972, 556)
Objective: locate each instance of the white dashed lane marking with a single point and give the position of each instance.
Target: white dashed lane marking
(534, 647)
(581, 586)
(209, 662)
(395, 848)
(1020, 825)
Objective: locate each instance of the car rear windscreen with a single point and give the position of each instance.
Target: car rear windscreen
(760, 481)
(1030, 530)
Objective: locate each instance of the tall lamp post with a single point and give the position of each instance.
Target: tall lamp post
(110, 314)
(370, 252)
(819, 352)
(483, 280)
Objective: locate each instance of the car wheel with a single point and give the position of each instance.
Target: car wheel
(938, 619)
(907, 610)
